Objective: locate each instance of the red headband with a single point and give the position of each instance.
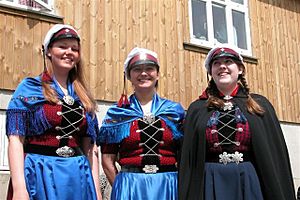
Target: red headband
(65, 31)
(143, 56)
(225, 50)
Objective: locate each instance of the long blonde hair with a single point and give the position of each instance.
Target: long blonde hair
(76, 77)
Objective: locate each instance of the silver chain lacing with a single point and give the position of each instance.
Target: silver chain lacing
(150, 151)
(227, 111)
(79, 111)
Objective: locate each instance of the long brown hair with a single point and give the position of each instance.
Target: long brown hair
(76, 76)
(213, 94)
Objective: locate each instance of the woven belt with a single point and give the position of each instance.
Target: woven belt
(64, 151)
(149, 169)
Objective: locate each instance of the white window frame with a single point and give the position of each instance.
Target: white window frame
(46, 7)
(229, 6)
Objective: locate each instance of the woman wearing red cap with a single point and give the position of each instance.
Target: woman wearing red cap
(233, 147)
(51, 120)
(144, 132)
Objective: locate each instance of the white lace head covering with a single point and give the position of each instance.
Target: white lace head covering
(139, 56)
(222, 50)
(59, 31)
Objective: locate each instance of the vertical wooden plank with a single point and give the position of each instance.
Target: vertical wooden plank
(116, 76)
(174, 52)
(108, 51)
(69, 11)
(277, 22)
(181, 97)
(81, 12)
(149, 25)
(251, 70)
(285, 91)
(169, 87)
(32, 69)
(129, 36)
(101, 72)
(282, 61)
(129, 26)
(294, 105)
(162, 49)
(19, 64)
(9, 54)
(297, 63)
(188, 84)
(93, 43)
(123, 34)
(288, 82)
(260, 50)
(143, 13)
(265, 65)
(2, 46)
(136, 23)
(155, 30)
(37, 42)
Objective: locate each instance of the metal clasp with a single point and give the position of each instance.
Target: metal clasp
(231, 157)
(150, 169)
(149, 118)
(65, 151)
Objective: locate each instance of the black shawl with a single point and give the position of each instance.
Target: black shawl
(271, 159)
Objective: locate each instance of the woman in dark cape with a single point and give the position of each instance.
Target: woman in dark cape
(233, 145)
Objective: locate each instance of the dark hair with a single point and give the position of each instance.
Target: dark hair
(213, 94)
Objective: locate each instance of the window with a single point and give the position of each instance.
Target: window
(220, 21)
(38, 5)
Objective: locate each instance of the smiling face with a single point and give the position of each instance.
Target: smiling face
(64, 55)
(144, 77)
(225, 73)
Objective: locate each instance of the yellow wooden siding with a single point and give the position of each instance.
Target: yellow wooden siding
(110, 29)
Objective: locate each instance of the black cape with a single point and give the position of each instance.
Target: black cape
(271, 159)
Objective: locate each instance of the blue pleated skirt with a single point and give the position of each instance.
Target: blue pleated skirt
(231, 182)
(57, 178)
(141, 186)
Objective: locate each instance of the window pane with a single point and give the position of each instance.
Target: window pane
(199, 19)
(31, 3)
(238, 1)
(220, 28)
(239, 29)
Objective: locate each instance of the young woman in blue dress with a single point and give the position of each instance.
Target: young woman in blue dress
(142, 135)
(52, 127)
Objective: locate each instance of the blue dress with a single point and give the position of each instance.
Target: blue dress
(144, 140)
(54, 165)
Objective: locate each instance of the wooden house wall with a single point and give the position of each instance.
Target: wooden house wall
(21, 36)
(276, 43)
(110, 29)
